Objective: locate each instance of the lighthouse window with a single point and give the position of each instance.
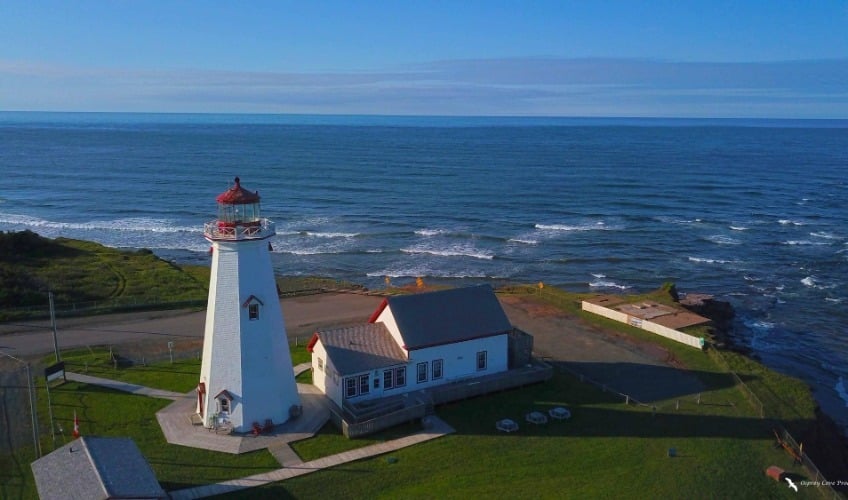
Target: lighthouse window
(253, 311)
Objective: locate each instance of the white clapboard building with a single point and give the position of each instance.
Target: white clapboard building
(413, 342)
(246, 375)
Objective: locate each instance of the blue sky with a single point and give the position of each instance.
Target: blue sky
(775, 59)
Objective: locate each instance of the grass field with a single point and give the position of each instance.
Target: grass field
(607, 449)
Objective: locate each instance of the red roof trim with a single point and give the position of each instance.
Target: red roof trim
(312, 342)
(379, 311)
(201, 388)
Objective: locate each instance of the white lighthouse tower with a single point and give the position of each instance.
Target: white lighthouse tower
(246, 375)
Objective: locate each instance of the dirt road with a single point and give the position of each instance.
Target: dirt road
(643, 370)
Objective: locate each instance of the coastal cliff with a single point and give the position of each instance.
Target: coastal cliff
(824, 441)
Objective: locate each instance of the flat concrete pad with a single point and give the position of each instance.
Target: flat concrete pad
(177, 426)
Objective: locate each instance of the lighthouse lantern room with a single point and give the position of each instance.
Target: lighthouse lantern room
(246, 375)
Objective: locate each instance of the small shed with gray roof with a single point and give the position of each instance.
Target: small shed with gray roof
(91, 468)
(413, 342)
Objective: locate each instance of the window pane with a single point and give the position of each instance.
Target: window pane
(387, 379)
(437, 369)
(400, 376)
(364, 386)
(481, 360)
(422, 372)
(350, 387)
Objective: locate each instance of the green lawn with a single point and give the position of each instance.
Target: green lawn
(607, 449)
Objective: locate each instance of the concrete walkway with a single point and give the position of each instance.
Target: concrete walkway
(436, 428)
(124, 386)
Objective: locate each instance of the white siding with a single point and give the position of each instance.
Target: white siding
(387, 318)
(459, 360)
(249, 359)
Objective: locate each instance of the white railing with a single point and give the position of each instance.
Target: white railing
(217, 230)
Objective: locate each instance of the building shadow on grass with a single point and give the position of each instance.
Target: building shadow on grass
(677, 408)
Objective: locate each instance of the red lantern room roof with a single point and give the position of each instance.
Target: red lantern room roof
(238, 195)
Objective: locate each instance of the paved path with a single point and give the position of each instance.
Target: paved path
(438, 428)
(124, 386)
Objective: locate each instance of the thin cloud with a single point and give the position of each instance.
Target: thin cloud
(518, 86)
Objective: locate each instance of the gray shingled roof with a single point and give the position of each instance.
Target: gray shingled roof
(448, 316)
(91, 468)
(360, 348)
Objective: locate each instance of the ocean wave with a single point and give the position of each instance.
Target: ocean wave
(430, 232)
(825, 235)
(673, 220)
(813, 282)
(607, 284)
(589, 226)
(803, 243)
(789, 222)
(738, 228)
(312, 251)
(141, 224)
(317, 234)
(523, 241)
(705, 260)
(453, 251)
(719, 239)
(426, 272)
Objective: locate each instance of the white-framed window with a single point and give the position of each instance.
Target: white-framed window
(394, 377)
(438, 366)
(320, 364)
(481, 360)
(350, 387)
(364, 384)
(400, 376)
(223, 405)
(253, 311)
(421, 369)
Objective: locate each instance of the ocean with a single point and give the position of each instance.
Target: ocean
(752, 211)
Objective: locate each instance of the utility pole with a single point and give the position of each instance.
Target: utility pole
(53, 325)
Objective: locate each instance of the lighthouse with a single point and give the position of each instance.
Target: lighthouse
(246, 375)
